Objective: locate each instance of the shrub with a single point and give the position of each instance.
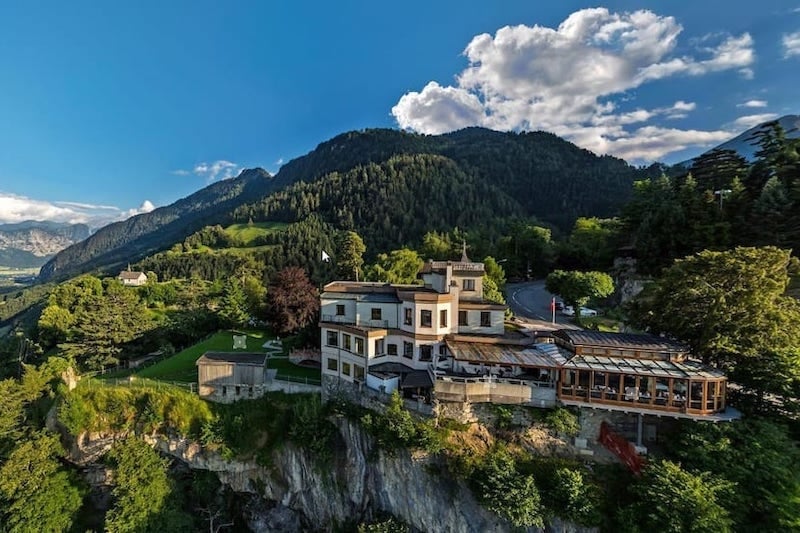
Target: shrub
(502, 489)
(563, 421)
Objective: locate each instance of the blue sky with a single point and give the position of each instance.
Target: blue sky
(108, 109)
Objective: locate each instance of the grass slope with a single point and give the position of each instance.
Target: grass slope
(247, 233)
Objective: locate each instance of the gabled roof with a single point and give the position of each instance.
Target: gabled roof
(125, 274)
(624, 341)
(238, 358)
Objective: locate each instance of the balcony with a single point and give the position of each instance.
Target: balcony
(352, 321)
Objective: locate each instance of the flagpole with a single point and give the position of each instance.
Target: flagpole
(553, 309)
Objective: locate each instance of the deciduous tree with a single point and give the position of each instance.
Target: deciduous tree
(732, 309)
(293, 301)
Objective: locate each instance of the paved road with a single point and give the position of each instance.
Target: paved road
(530, 302)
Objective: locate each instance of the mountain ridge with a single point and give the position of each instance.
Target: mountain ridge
(556, 180)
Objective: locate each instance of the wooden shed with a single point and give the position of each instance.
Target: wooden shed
(226, 377)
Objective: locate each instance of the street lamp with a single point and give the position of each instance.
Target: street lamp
(721, 193)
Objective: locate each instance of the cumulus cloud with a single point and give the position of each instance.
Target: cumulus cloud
(791, 44)
(15, 208)
(748, 121)
(566, 79)
(753, 103)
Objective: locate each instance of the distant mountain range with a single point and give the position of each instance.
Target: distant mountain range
(743, 143)
(31, 243)
(389, 185)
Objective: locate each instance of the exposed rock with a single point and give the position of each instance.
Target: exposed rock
(361, 482)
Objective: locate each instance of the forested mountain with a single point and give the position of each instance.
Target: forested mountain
(391, 185)
(147, 233)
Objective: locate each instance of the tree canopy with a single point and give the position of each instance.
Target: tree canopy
(732, 309)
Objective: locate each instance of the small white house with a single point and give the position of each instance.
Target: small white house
(134, 279)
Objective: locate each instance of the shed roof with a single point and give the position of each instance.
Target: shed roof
(417, 378)
(239, 358)
(533, 355)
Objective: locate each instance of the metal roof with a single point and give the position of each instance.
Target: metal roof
(533, 355)
(239, 358)
(644, 367)
(627, 341)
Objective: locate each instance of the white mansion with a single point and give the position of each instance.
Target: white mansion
(393, 336)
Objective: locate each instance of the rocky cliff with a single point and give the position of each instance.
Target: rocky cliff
(30, 244)
(296, 492)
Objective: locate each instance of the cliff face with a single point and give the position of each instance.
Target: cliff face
(360, 482)
(29, 244)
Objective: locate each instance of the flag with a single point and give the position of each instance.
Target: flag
(553, 304)
(325, 257)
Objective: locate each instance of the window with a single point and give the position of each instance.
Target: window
(358, 372)
(426, 352)
(408, 350)
(238, 390)
(379, 347)
(486, 319)
(469, 285)
(359, 346)
(462, 318)
(376, 313)
(391, 349)
(333, 365)
(340, 310)
(333, 338)
(346, 342)
(425, 318)
(443, 318)
(443, 350)
(407, 314)
(224, 390)
(345, 368)
(250, 391)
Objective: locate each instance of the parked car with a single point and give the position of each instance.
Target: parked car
(559, 305)
(585, 311)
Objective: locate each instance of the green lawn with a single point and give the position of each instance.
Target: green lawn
(294, 372)
(247, 233)
(601, 323)
(181, 366)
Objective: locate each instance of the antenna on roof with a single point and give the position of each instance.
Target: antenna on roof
(464, 258)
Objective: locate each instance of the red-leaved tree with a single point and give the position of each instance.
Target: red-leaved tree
(292, 301)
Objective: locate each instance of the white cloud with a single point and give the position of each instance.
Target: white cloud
(569, 80)
(438, 109)
(15, 208)
(753, 103)
(219, 169)
(748, 121)
(791, 44)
